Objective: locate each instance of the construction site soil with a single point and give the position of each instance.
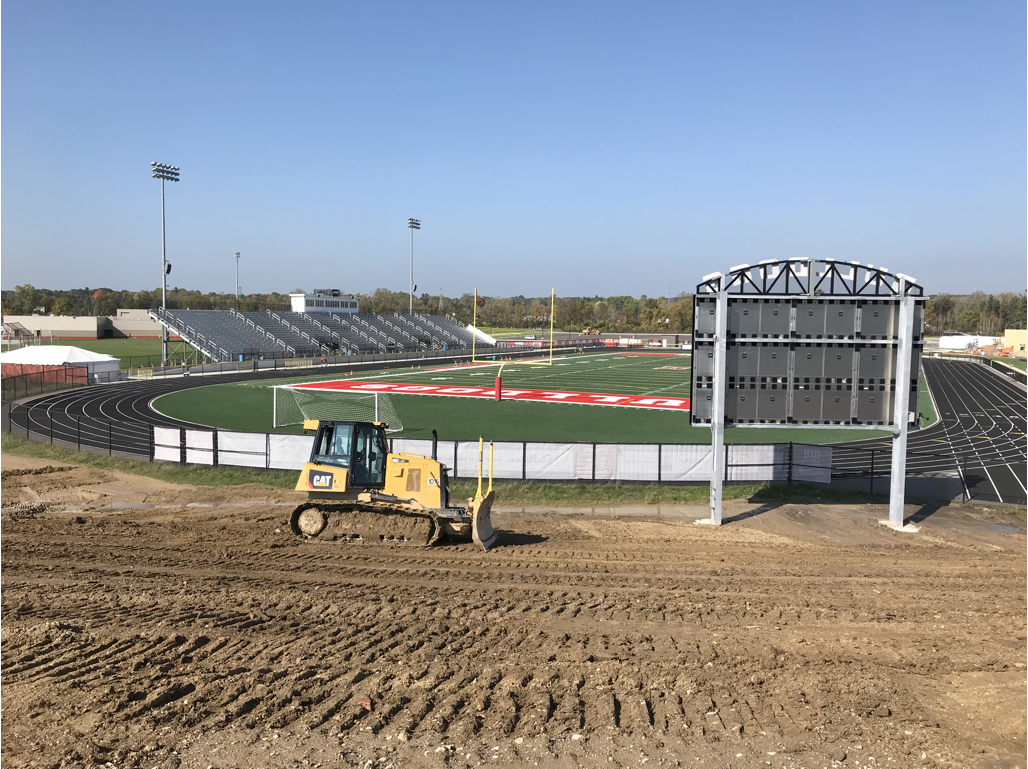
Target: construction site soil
(147, 624)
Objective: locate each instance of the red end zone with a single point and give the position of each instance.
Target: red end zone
(541, 396)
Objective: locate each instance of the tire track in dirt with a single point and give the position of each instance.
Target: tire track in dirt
(213, 625)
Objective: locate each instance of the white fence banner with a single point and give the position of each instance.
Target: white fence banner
(636, 462)
(289, 452)
(606, 462)
(584, 462)
(242, 449)
(812, 464)
(756, 462)
(552, 461)
(467, 460)
(507, 460)
(166, 444)
(680, 463)
(200, 447)
(416, 446)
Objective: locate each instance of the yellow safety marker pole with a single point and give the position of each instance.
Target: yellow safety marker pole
(551, 325)
(490, 467)
(479, 493)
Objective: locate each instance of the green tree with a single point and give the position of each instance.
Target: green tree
(23, 301)
(968, 320)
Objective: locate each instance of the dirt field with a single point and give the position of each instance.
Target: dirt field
(147, 624)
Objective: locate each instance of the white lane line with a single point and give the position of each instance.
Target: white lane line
(974, 448)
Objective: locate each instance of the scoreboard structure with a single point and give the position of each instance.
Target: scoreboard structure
(807, 343)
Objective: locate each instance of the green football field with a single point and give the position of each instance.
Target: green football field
(248, 405)
(134, 353)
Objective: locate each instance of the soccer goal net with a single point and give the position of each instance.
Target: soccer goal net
(292, 406)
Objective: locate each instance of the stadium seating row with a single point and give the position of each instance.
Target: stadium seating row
(233, 335)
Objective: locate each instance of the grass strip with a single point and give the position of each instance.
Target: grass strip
(572, 495)
(926, 406)
(162, 471)
(508, 493)
(516, 492)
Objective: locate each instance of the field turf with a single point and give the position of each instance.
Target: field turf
(248, 405)
(134, 353)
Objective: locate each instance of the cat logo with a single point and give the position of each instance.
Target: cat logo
(319, 480)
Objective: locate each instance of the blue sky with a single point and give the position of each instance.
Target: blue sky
(596, 148)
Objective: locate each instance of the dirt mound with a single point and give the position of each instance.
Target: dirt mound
(795, 635)
(45, 470)
(55, 485)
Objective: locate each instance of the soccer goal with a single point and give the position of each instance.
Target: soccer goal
(292, 405)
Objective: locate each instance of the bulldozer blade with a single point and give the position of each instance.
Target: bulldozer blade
(482, 530)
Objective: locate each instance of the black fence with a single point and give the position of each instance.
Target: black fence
(840, 467)
(864, 468)
(48, 379)
(952, 476)
(133, 440)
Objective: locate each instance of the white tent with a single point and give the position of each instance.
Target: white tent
(61, 355)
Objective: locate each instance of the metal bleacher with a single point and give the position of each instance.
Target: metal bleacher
(457, 334)
(224, 335)
(298, 343)
(331, 341)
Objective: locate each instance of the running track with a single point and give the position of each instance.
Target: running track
(980, 434)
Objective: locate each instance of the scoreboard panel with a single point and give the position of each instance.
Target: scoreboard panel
(801, 360)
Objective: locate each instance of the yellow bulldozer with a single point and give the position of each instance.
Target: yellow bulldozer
(358, 491)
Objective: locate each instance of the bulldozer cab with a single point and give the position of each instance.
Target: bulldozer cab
(359, 447)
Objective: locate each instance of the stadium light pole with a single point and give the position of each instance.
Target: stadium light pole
(237, 277)
(165, 173)
(413, 224)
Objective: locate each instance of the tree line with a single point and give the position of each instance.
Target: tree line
(976, 313)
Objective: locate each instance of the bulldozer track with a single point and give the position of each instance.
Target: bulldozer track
(369, 522)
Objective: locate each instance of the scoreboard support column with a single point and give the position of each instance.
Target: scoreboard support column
(717, 423)
(901, 407)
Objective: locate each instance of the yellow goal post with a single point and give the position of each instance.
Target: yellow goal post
(474, 336)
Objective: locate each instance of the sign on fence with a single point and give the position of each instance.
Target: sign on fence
(812, 464)
(167, 444)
